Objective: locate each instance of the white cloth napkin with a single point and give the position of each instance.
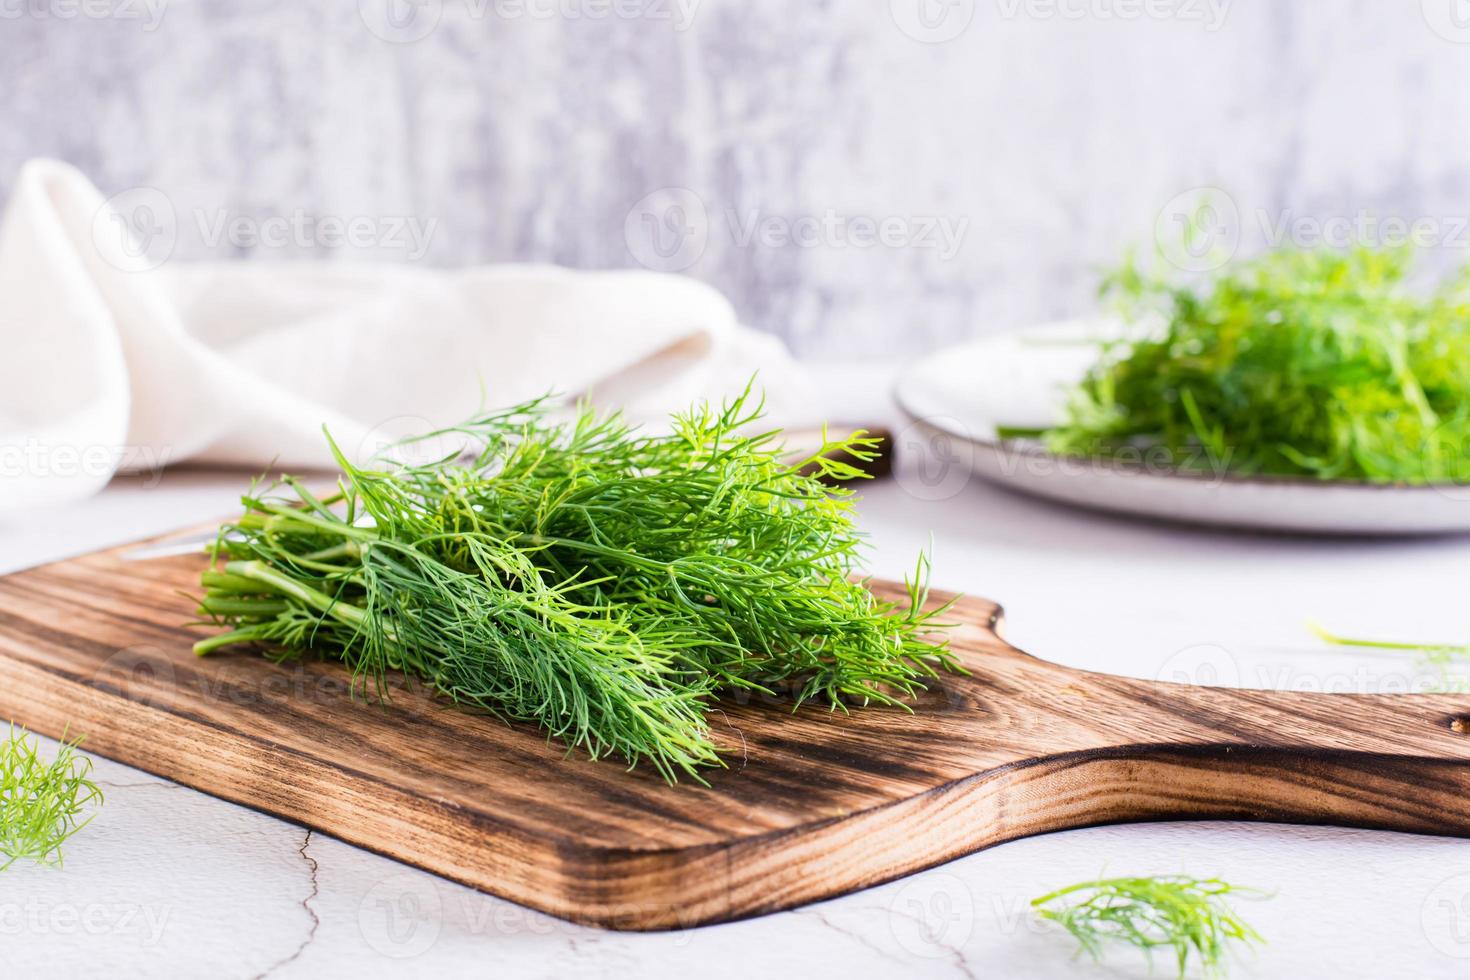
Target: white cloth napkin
(108, 364)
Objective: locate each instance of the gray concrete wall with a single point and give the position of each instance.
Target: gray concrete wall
(866, 177)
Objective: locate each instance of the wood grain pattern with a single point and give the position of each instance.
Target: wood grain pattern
(813, 804)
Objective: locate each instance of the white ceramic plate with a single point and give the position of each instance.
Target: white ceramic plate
(957, 397)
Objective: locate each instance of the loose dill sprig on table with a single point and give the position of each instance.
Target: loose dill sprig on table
(1188, 916)
(1320, 363)
(1440, 657)
(41, 803)
(598, 581)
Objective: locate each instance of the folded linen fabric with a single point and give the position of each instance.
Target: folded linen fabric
(111, 361)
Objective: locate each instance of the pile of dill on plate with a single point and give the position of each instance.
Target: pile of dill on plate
(1320, 363)
(600, 582)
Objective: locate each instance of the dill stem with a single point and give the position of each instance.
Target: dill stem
(1348, 641)
(1020, 431)
(257, 574)
(320, 506)
(246, 635)
(271, 517)
(347, 549)
(284, 584)
(1051, 896)
(219, 582)
(227, 605)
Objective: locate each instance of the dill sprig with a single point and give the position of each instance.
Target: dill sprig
(1320, 364)
(41, 803)
(1440, 657)
(1188, 916)
(600, 582)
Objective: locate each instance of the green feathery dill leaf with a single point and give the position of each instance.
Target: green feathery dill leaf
(41, 803)
(1320, 363)
(1188, 916)
(601, 582)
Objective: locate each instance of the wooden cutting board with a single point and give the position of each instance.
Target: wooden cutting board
(813, 804)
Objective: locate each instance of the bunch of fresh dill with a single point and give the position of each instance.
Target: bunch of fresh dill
(41, 803)
(598, 581)
(1321, 363)
(1188, 916)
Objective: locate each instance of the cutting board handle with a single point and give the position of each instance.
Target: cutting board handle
(1153, 750)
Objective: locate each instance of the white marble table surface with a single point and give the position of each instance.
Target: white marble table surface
(168, 881)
